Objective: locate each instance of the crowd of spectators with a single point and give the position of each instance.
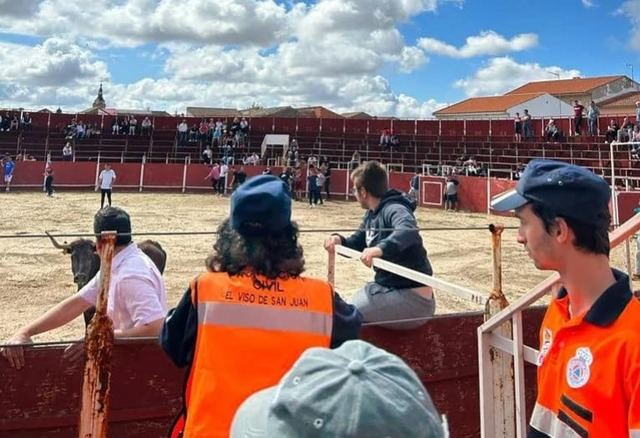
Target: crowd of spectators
(389, 140)
(217, 133)
(129, 125)
(12, 121)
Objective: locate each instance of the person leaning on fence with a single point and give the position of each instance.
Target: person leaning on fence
(355, 391)
(137, 296)
(414, 186)
(240, 326)
(589, 360)
(389, 231)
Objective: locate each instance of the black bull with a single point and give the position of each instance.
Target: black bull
(85, 262)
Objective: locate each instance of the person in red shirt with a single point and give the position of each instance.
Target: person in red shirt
(589, 360)
(577, 116)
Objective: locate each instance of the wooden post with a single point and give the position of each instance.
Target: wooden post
(98, 349)
(501, 363)
(331, 269)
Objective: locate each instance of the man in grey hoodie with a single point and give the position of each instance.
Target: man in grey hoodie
(389, 231)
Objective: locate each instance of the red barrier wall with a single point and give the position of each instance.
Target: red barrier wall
(627, 202)
(163, 175)
(127, 174)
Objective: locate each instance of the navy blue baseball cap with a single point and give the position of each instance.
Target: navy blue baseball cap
(261, 205)
(567, 190)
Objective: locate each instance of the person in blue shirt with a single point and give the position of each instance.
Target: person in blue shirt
(8, 166)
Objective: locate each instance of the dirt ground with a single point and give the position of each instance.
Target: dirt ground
(35, 276)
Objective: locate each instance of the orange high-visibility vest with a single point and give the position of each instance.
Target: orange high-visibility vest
(589, 368)
(251, 330)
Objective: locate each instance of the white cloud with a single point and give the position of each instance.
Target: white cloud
(588, 3)
(218, 53)
(22, 8)
(631, 9)
(486, 43)
(503, 74)
(411, 58)
(55, 62)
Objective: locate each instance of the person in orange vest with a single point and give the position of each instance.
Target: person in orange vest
(589, 360)
(240, 326)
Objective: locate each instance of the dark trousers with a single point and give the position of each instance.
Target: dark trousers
(221, 183)
(314, 196)
(48, 185)
(578, 127)
(327, 183)
(103, 193)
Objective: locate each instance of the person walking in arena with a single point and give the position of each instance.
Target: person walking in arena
(589, 360)
(8, 166)
(48, 179)
(106, 179)
(240, 326)
(389, 231)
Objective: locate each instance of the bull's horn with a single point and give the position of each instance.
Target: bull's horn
(65, 247)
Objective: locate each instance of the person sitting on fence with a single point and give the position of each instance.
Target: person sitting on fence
(384, 138)
(612, 131)
(240, 326)
(357, 391)
(115, 126)
(551, 132)
(389, 231)
(137, 295)
(635, 140)
(15, 123)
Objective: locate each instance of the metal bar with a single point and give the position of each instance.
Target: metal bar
(615, 238)
(98, 350)
(518, 365)
(428, 280)
(487, 428)
(529, 354)
(331, 268)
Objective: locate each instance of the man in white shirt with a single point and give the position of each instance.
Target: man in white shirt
(106, 179)
(137, 300)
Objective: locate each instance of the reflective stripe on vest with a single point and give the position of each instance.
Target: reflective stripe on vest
(546, 421)
(265, 318)
(250, 332)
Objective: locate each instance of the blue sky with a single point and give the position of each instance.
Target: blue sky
(387, 57)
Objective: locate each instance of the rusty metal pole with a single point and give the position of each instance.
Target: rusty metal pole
(502, 364)
(98, 349)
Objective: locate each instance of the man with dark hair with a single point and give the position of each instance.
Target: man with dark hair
(137, 295)
(241, 325)
(106, 179)
(389, 230)
(589, 361)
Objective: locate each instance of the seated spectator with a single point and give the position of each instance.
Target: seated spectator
(625, 131)
(26, 121)
(15, 123)
(357, 391)
(255, 159)
(207, 155)
(133, 125)
(635, 139)
(145, 126)
(67, 152)
(552, 132)
(355, 160)
(80, 130)
(612, 131)
(394, 143)
(5, 124)
(115, 126)
(124, 125)
(293, 146)
(30, 158)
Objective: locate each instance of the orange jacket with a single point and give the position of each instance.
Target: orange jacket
(589, 368)
(250, 332)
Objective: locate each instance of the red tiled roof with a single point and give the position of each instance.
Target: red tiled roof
(628, 99)
(488, 104)
(565, 86)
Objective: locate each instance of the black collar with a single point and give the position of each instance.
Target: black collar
(611, 303)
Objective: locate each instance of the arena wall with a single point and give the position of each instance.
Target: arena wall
(473, 191)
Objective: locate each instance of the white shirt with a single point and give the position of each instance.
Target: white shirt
(107, 177)
(224, 170)
(182, 127)
(137, 294)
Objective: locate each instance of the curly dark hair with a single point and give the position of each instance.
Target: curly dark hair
(274, 255)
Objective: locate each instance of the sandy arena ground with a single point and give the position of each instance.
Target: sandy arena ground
(35, 276)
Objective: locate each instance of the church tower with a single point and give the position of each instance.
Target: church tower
(99, 103)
